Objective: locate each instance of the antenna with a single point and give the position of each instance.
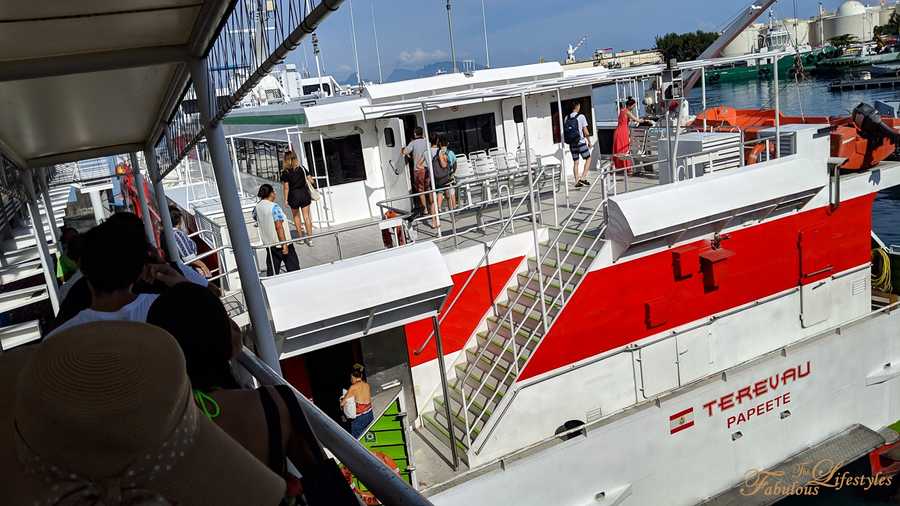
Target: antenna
(452, 47)
(377, 50)
(487, 51)
(355, 50)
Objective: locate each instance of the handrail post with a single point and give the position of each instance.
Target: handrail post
(436, 325)
(234, 217)
(45, 193)
(777, 111)
(162, 203)
(562, 148)
(37, 227)
(534, 228)
(142, 199)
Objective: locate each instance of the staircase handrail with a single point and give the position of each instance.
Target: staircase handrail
(484, 258)
(514, 330)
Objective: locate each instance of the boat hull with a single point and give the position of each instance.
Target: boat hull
(705, 437)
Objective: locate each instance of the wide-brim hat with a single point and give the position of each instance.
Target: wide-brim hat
(103, 413)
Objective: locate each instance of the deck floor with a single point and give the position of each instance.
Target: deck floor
(367, 239)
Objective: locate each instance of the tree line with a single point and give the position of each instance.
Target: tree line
(684, 46)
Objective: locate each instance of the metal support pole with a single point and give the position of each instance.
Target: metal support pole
(97, 205)
(237, 167)
(777, 111)
(234, 218)
(430, 166)
(142, 199)
(37, 228)
(703, 93)
(436, 325)
(562, 148)
(533, 207)
(48, 205)
(162, 203)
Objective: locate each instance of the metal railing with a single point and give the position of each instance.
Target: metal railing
(507, 223)
(546, 175)
(600, 181)
(387, 485)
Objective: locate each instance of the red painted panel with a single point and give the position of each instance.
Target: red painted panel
(462, 320)
(609, 309)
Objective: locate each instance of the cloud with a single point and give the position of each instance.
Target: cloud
(345, 68)
(419, 56)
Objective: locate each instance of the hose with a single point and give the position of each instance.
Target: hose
(882, 281)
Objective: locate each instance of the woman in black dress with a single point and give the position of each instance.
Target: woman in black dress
(296, 191)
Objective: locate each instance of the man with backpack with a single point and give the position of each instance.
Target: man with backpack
(578, 137)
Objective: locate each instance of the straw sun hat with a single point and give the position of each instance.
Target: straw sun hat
(102, 414)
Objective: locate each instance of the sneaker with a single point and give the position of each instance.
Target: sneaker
(307, 242)
(584, 182)
(579, 184)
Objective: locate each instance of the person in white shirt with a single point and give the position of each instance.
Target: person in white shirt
(272, 230)
(114, 258)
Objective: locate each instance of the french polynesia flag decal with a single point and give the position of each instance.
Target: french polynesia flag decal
(681, 420)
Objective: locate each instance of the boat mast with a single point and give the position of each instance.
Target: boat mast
(315, 42)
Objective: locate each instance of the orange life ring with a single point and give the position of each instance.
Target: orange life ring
(754, 154)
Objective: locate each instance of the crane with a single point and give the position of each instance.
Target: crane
(570, 52)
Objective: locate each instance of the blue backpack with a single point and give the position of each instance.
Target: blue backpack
(571, 132)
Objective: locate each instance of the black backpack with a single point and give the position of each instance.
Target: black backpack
(442, 174)
(571, 132)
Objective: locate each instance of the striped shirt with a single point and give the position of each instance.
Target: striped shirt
(186, 247)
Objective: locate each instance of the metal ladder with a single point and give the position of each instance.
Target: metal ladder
(484, 375)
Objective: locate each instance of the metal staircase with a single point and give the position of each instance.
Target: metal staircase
(488, 368)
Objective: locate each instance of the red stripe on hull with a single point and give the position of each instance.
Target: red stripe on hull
(462, 320)
(676, 430)
(635, 299)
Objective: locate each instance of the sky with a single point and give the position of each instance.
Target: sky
(413, 33)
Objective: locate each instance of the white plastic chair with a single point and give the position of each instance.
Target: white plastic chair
(464, 167)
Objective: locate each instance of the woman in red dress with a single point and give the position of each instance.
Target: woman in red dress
(622, 136)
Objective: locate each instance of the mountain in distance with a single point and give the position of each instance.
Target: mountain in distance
(403, 74)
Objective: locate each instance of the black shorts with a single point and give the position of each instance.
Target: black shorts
(298, 199)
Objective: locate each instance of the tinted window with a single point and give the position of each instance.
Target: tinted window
(465, 135)
(344, 156)
(389, 137)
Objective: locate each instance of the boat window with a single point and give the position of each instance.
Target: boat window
(260, 158)
(344, 158)
(389, 140)
(309, 89)
(465, 135)
(517, 114)
(567, 108)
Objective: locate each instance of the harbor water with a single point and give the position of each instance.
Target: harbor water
(810, 97)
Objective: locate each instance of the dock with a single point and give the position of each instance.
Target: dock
(864, 84)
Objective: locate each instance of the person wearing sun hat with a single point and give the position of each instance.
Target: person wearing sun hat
(103, 415)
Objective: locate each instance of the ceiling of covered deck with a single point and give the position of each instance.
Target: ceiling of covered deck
(87, 78)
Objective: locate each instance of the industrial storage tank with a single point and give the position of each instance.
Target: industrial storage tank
(746, 42)
(850, 20)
